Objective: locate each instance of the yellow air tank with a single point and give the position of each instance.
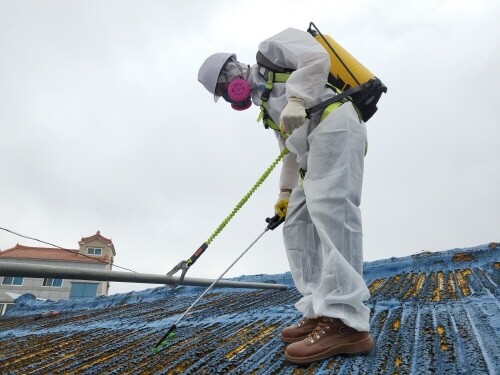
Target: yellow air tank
(347, 73)
(345, 68)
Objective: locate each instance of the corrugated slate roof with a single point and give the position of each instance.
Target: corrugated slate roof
(432, 313)
(48, 253)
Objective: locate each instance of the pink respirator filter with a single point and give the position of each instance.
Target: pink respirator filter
(239, 92)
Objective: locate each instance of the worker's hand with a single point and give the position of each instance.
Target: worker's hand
(293, 115)
(282, 204)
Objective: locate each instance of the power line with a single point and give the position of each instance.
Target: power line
(62, 248)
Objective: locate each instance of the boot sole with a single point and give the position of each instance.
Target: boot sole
(361, 347)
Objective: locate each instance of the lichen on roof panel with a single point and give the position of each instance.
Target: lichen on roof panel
(431, 313)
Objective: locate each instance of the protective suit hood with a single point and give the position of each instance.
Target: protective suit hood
(210, 70)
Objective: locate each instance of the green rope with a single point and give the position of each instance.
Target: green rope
(247, 196)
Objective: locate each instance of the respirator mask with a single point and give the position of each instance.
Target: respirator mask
(233, 85)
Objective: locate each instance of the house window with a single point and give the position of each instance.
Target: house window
(94, 251)
(82, 290)
(12, 280)
(52, 282)
(4, 307)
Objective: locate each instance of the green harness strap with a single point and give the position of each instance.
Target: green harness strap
(272, 77)
(276, 77)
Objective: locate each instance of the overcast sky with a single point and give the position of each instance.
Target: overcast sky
(103, 126)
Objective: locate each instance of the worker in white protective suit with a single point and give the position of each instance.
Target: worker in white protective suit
(320, 189)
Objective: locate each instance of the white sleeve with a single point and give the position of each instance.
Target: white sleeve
(297, 49)
(289, 176)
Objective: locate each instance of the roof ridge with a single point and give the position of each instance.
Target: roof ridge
(24, 247)
(49, 254)
(98, 235)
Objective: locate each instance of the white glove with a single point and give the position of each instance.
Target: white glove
(293, 115)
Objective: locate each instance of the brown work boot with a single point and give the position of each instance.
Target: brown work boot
(329, 338)
(299, 331)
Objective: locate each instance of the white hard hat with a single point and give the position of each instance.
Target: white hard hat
(211, 68)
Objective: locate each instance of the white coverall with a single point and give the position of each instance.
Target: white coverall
(322, 231)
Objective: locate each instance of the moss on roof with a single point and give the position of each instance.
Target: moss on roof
(432, 313)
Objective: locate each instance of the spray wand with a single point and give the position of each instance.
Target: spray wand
(273, 223)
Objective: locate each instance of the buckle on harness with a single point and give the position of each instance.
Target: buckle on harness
(302, 173)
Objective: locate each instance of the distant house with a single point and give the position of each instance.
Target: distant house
(95, 252)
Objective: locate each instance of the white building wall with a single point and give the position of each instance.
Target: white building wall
(35, 286)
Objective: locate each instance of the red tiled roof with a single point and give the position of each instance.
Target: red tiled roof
(97, 236)
(48, 253)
